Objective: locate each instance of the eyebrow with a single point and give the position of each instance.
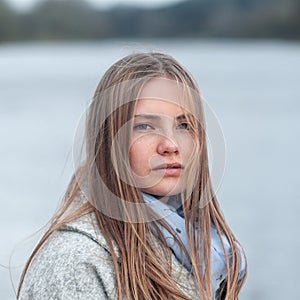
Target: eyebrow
(148, 116)
(157, 117)
(181, 117)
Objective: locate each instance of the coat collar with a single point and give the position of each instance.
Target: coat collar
(87, 225)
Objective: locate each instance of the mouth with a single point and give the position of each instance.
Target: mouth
(169, 166)
(170, 169)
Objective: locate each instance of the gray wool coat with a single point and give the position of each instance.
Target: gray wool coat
(75, 263)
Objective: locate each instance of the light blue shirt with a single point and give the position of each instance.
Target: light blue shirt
(177, 223)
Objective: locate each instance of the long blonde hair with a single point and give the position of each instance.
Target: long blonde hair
(142, 274)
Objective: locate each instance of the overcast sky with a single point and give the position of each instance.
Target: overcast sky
(27, 4)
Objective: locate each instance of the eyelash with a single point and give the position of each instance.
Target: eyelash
(145, 126)
(188, 126)
(140, 126)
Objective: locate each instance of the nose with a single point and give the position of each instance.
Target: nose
(166, 146)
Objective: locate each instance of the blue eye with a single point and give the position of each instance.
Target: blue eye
(142, 126)
(184, 126)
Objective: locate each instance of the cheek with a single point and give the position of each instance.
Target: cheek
(138, 157)
(187, 147)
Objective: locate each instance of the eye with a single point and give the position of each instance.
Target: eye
(184, 126)
(142, 127)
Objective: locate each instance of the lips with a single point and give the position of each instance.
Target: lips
(169, 166)
(171, 169)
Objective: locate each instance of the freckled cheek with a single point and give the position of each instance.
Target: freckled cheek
(187, 147)
(139, 156)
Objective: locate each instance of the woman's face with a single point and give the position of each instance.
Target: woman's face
(162, 142)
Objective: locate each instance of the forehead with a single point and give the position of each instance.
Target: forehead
(162, 95)
(158, 107)
(164, 89)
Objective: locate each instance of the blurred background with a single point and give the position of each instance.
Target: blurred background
(245, 55)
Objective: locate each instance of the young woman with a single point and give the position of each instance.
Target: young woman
(140, 219)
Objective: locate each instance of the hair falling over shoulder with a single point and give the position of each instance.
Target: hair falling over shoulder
(141, 272)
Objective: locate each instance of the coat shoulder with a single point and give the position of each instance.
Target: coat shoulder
(70, 262)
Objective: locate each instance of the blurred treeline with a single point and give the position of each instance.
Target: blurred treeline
(77, 19)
